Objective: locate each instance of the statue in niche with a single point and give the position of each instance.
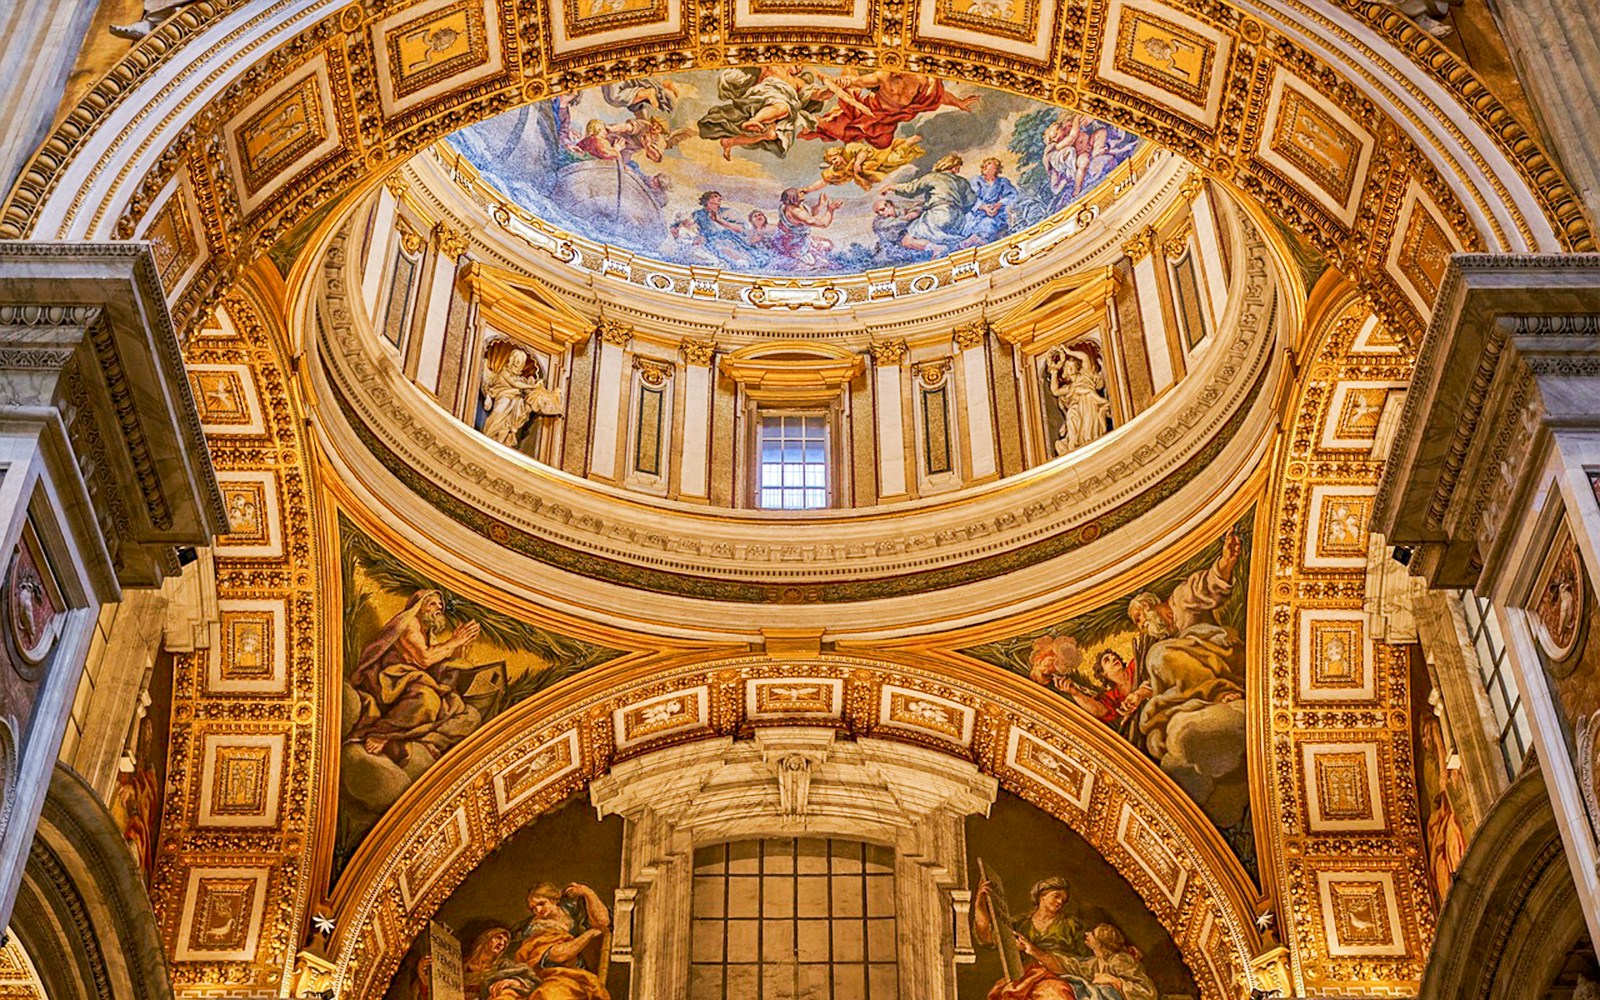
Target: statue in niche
(514, 393)
(1077, 381)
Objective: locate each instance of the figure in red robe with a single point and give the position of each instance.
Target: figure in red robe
(871, 107)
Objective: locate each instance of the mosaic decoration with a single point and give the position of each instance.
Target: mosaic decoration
(424, 669)
(793, 169)
(1165, 666)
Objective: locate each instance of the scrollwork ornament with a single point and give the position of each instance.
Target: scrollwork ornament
(652, 372)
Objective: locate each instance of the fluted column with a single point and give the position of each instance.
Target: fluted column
(1152, 317)
(1555, 45)
(609, 401)
(697, 373)
(449, 245)
(974, 363)
(39, 43)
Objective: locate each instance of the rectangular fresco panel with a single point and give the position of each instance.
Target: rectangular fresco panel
(424, 668)
(1165, 667)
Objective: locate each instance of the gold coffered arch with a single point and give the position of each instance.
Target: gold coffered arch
(555, 744)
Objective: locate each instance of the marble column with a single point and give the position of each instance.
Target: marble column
(39, 43)
(105, 475)
(888, 376)
(1494, 485)
(1555, 46)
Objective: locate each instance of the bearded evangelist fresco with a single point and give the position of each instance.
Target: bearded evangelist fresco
(424, 669)
(787, 169)
(1165, 667)
(533, 921)
(1054, 921)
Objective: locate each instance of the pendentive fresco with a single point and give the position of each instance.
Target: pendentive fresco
(424, 668)
(1164, 666)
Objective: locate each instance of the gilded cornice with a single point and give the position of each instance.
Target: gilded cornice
(796, 372)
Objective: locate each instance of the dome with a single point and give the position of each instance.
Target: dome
(791, 169)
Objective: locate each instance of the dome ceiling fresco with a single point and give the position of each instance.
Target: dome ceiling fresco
(791, 169)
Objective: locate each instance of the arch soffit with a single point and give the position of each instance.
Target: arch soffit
(552, 746)
(1423, 161)
(1510, 901)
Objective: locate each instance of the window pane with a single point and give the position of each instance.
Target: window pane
(813, 857)
(880, 896)
(742, 943)
(708, 897)
(847, 940)
(777, 856)
(849, 983)
(705, 941)
(811, 940)
(705, 982)
(778, 983)
(777, 940)
(742, 980)
(847, 896)
(880, 940)
(884, 982)
(811, 897)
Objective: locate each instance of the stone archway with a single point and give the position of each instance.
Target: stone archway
(82, 913)
(557, 743)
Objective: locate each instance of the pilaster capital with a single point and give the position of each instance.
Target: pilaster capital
(887, 353)
(451, 242)
(697, 352)
(1142, 245)
(614, 332)
(970, 335)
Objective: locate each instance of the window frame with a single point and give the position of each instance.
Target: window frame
(754, 464)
